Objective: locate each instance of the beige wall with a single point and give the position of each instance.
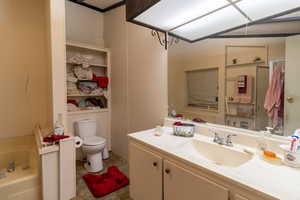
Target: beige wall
(84, 25)
(208, 54)
(115, 38)
(25, 82)
(139, 64)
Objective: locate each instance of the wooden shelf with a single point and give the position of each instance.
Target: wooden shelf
(240, 116)
(86, 95)
(242, 64)
(91, 64)
(88, 111)
(250, 104)
(86, 46)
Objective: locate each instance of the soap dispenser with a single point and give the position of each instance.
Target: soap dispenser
(262, 142)
(59, 127)
(265, 149)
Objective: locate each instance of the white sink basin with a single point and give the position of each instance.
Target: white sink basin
(220, 155)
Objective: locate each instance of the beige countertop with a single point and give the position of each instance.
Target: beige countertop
(279, 181)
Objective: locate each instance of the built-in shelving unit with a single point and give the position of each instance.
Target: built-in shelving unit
(241, 108)
(96, 61)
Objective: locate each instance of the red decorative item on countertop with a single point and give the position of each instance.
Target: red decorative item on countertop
(103, 184)
(198, 120)
(178, 124)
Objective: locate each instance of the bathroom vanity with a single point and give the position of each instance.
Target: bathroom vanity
(175, 168)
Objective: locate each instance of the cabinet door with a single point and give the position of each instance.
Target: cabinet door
(145, 171)
(180, 184)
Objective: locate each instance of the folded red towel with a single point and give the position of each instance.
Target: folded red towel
(53, 138)
(71, 101)
(102, 81)
(103, 184)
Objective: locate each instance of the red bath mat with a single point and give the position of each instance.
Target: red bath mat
(103, 184)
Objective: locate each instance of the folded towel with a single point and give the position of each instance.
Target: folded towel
(102, 81)
(54, 138)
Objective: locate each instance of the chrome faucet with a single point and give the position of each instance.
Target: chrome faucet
(227, 141)
(218, 139)
(11, 166)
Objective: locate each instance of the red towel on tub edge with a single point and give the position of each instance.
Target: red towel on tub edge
(103, 184)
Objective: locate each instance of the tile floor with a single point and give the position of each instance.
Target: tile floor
(83, 192)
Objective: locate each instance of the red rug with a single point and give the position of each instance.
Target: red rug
(103, 184)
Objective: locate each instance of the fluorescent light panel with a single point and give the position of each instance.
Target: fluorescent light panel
(168, 14)
(216, 22)
(260, 9)
(207, 17)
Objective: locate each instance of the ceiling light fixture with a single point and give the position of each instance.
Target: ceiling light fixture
(196, 20)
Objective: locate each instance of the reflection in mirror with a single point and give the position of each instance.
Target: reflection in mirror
(199, 96)
(247, 83)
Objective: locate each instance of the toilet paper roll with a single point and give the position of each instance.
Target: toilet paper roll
(78, 142)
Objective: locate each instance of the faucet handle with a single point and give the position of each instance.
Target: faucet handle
(229, 139)
(11, 166)
(231, 135)
(216, 136)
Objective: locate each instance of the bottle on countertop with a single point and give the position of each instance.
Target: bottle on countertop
(59, 127)
(297, 134)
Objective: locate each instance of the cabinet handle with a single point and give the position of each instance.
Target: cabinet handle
(290, 99)
(155, 164)
(167, 171)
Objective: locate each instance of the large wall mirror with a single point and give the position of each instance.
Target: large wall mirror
(249, 83)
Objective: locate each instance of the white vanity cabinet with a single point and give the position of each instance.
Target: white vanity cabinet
(180, 183)
(155, 178)
(156, 175)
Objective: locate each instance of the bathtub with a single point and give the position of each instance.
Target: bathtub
(24, 183)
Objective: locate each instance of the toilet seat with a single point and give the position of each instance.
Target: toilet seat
(93, 141)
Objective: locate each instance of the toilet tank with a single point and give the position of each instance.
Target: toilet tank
(85, 128)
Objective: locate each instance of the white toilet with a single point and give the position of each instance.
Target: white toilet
(94, 147)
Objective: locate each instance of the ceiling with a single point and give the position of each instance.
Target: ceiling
(102, 4)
